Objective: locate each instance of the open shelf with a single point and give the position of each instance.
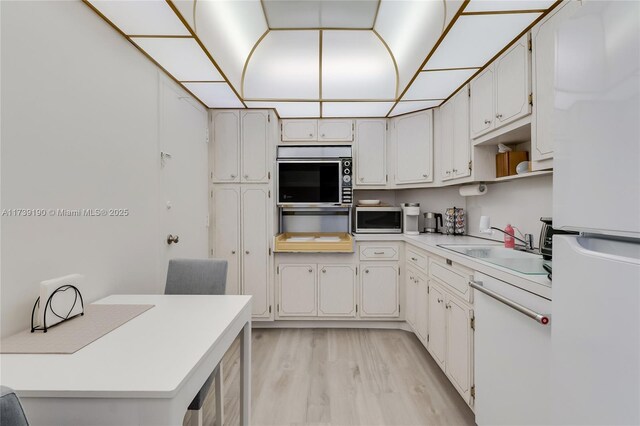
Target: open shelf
(524, 175)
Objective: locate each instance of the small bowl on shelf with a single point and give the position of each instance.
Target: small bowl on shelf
(368, 202)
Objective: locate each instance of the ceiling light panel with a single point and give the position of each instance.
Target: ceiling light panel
(437, 84)
(475, 39)
(502, 5)
(181, 57)
(356, 65)
(411, 106)
(215, 95)
(140, 17)
(285, 65)
(320, 14)
(186, 9)
(355, 109)
(290, 109)
(410, 29)
(229, 30)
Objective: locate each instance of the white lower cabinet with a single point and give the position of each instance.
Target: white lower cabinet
(241, 234)
(422, 309)
(451, 337)
(379, 290)
(411, 293)
(336, 291)
(297, 290)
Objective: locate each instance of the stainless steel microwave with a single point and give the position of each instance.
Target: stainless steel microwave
(314, 176)
(378, 220)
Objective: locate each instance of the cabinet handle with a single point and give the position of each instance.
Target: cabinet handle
(361, 179)
(233, 176)
(439, 300)
(536, 316)
(366, 271)
(247, 252)
(322, 135)
(414, 259)
(233, 252)
(487, 121)
(378, 252)
(411, 278)
(246, 176)
(310, 135)
(455, 170)
(448, 172)
(324, 271)
(310, 270)
(498, 115)
(448, 306)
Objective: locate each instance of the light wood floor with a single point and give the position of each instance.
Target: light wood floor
(340, 377)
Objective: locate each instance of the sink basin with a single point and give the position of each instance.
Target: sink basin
(519, 261)
(488, 251)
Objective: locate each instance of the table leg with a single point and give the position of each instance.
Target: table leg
(245, 375)
(219, 396)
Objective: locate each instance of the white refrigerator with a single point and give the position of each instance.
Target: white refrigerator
(596, 275)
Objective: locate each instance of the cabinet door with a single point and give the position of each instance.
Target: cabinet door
(297, 291)
(370, 152)
(459, 349)
(379, 290)
(226, 232)
(414, 148)
(299, 130)
(256, 147)
(446, 141)
(437, 324)
(335, 130)
(255, 248)
(337, 291)
(461, 142)
(226, 146)
(543, 68)
(422, 309)
(411, 290)
(512, 83)
(482, 107)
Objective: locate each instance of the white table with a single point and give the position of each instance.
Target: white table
(145, 372)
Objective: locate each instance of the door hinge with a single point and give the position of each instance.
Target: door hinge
(473, 323)
(428, 290)
(469, 90)
(473, 391)
(398, 308)
(211, 175)
(211, 252)
(278, 307)
(206, 132)
(356, 270)
(356, 308)
(269, 175)
(212, 193)
(269, 193)
(427, 338)
(269, 251)
(531, 98)
(530, 45)
(398, 270)
(470, 165)
(386, 125)
(269, 308)
(269, 121)
(386, 178)
(277, 269)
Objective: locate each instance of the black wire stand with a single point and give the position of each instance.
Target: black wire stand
(48, 307)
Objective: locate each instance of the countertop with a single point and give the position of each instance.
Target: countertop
(537, 284)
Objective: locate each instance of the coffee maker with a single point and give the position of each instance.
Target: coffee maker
(431, 222)
(410, 220)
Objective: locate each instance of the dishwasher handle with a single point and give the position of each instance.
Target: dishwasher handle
(540, 318)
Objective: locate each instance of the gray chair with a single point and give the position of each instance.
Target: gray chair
(11, 413)
(200, 276)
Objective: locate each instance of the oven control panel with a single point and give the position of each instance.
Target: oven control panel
(347, 178)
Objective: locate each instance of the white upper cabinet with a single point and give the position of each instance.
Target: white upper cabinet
(482, 103)
(335, 130)
(543, 69)
(413, 148)
(299, 130)
(329, 130)
(255, 247)
(512, 71)
(256, 150)
(226, 146)
(371, 152)
(241, 146)
(500, 93)
(455, 143)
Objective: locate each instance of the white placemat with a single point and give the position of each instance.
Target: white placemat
(75, 334)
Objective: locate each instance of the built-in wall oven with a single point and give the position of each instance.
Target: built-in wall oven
(314, 176)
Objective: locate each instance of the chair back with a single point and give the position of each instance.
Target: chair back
(11, 412)
(196, 276)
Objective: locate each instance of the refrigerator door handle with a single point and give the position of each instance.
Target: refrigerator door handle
(539, 318)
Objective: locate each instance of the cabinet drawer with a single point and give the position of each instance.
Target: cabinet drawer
(417, 259)
(455, 277)
(382, 252)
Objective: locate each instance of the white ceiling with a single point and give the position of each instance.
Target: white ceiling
(313, 58)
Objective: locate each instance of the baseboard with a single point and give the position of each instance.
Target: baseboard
(387, 325)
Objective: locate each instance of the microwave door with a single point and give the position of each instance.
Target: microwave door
(309, 182)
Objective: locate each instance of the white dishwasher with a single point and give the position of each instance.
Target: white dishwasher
(512, 354)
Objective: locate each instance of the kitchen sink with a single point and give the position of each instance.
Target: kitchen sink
(516, 260)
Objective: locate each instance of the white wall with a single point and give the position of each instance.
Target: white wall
(519, 202)
(79, 130)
